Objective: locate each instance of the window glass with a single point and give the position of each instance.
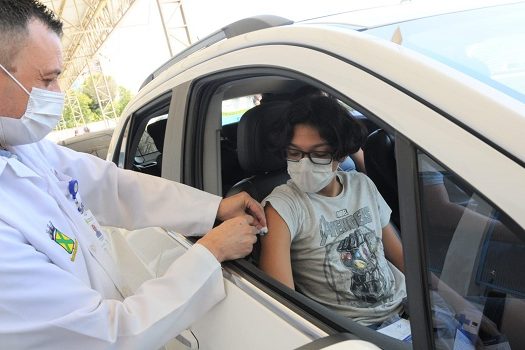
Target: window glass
(476, 259)
(233, 109)
(148, 155)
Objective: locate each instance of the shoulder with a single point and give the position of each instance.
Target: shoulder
(45, 150)
(360, 183)
(42, 146)
(354, 178)
(60, 151)
(287, 198)
(63, 159)
(286, 191)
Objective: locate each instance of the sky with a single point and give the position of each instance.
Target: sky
(138, 45)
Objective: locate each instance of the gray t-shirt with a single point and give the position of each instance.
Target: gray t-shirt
(337, 252)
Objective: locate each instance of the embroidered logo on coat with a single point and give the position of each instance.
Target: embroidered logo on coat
(63, 240)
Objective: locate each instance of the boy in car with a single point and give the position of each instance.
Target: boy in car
(330, 235)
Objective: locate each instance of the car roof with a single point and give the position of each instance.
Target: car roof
(242, 26)
(404, 11)
(358, 20)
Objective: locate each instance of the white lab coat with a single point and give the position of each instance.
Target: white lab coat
(52, 300)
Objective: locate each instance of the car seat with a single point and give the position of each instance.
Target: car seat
(380, 163)
(157, 131)
(231, 171)
(265, 168)
(258, 159)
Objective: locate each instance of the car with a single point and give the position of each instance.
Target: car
(444, 102)
(95, 142)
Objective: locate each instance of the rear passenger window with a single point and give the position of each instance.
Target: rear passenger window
(231, 113)
(233, 109)
(476, 259)
(148, 156)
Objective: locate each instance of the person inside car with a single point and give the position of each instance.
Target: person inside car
(354, 161)
(329, 232)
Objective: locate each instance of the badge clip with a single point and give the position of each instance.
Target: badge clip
(73, 191)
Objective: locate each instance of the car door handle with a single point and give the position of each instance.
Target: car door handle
(187, 339)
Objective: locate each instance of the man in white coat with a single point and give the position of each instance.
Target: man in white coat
(59, 284)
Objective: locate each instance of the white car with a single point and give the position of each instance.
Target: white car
(94, 142)
(448, 91)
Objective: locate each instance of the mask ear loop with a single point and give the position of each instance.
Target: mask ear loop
(15, 80)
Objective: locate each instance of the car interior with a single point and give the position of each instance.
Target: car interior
(249, 162)
(263, 169)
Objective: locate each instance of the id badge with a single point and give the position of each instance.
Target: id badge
(97, 230)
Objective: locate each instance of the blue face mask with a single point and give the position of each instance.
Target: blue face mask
(43, 112)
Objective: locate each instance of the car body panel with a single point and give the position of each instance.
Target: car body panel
(95, 142)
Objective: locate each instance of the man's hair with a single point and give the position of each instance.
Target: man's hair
(335, 125)
(15, 15)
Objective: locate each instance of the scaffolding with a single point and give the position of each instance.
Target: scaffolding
(87, 26)
(176, 30)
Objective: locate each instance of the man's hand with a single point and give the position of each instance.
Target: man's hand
(233, 239)
(242, 204)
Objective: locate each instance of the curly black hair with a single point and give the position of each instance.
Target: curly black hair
(344, 134)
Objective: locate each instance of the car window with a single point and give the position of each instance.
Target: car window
(276, 93)
(231, 113)
(148, 155)
(142, 136)
(264, 175)
(233, 109)
(475, 260)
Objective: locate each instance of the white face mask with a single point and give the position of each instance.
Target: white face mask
(310, 177)
(43, 112)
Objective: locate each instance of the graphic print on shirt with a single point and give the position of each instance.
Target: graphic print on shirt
(353, 259)
(63, 240)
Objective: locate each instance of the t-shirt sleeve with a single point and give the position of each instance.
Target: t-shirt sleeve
(288, 206)
(382, 206)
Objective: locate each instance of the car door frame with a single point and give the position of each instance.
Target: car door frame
(197, 114)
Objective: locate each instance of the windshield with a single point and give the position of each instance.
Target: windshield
(487, 44)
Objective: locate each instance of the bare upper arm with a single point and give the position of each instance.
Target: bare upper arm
(393, 246)
(275, 248)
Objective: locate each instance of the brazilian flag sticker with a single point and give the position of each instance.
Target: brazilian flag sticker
(63, 240)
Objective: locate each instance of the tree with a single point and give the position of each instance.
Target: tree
(97, 80)
(124, 96)
(88, 104)
(84, 104)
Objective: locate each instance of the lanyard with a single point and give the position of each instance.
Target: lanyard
(73, 191)
(104, 258)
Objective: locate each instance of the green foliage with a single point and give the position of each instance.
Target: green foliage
(124, 97)
(88, 105)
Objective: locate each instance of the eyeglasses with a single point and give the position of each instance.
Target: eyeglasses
(316, 157)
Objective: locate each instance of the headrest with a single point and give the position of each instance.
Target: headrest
(380, 144)
(380, 163)
(157, 131)
(253, 145)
